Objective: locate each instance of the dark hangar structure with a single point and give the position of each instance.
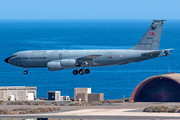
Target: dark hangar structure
(159, 88)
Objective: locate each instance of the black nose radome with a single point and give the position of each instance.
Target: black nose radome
(7, 59)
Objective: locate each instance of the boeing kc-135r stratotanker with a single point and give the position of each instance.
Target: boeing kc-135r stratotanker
(55, 60)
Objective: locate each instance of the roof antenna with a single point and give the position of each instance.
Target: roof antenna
(169, 69)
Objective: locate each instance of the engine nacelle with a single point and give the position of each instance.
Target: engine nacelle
(61, 64)
(54, 66)
(68, 63)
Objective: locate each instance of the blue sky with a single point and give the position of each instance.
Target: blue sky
(89, 9)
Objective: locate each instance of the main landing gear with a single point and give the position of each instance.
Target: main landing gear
(25, 71)
(81, 71)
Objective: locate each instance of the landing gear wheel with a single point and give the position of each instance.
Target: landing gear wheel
(81, 71)
(75, 72)
(87, 71)
(25, 72)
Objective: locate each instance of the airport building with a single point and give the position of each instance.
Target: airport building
(18, 93)
(84, 94)
(81, 94)
(56, 95)
(96, 97)
(159, 88)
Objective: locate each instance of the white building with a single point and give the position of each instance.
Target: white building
(17, 93)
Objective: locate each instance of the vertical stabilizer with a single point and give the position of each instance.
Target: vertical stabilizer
(151, 39)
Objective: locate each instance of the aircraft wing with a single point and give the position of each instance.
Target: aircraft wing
(89, 57)
(87, 60)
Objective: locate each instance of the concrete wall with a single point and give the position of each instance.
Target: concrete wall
(2, 95)
(20, 93)
(96, 97)
(64, 98)
(81, 92)
(57, 95)
(81, 97)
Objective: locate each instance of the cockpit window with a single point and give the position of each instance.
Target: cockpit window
(14, 55)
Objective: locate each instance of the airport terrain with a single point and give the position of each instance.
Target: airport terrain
(106, 111)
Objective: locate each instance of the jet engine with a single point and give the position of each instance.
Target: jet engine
(61, 64)
(68, 63)
(54, 66)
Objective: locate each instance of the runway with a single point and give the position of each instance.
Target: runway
(120, 114)
(114, 111)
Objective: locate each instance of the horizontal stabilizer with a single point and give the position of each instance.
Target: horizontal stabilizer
(158, 53)
(154, 53)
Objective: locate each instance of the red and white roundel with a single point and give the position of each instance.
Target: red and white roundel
(151, 33)
(121, 55)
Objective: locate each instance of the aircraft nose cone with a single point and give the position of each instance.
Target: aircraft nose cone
(7, 59)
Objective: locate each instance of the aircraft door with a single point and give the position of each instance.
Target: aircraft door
(109, 58)
(60, 56)
(55, 55)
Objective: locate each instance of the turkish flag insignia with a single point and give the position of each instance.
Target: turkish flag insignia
(151, 33)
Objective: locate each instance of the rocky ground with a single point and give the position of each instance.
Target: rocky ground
(167, 109)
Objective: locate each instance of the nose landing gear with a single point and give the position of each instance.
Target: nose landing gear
(25, 71)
